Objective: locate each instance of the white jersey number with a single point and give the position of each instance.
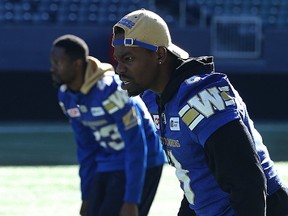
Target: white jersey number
(183, 178)
(109, 136)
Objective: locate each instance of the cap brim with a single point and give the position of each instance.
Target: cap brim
(179, 52)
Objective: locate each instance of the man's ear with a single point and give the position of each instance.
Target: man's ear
(161, 54)
(78, 63)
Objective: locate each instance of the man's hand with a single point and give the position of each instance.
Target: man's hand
(129, 209)
(84, 208)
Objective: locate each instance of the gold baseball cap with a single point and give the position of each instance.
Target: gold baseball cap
(146, 29)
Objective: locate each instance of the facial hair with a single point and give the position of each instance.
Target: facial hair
(56, 81)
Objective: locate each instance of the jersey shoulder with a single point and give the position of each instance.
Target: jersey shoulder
(198, 84)
(206, 98)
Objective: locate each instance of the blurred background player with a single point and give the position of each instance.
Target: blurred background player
(220, 159)
(119, 154)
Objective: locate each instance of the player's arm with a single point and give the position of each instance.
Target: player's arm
(234, 162)
(86, 150)
(132, 132)
(122, 110)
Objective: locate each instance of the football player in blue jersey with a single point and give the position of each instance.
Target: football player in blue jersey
(221, 162)
(119, 152)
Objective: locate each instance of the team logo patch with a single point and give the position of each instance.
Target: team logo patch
(174, 124)
(156, 121)
(205, 104)
(97, 111)
(116, 101)
(73, 112)
(82, 108)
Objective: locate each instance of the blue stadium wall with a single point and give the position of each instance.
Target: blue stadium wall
(27, 93)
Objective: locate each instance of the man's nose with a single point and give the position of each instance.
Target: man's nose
(120, 69)
(53, 69)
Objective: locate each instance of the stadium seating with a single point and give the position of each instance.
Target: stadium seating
(65, 12)
(274, 13)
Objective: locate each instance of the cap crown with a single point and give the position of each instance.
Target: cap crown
(146, 29)
(146, 26)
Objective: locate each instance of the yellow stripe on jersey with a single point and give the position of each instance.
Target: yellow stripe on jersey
(225, 96)
(190, 116)
(110, 106)
(130, 119)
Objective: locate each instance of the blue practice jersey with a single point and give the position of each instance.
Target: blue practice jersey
(203, 104)
(112, 132)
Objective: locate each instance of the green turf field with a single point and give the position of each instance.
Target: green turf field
(54, 191)
(39, 175)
